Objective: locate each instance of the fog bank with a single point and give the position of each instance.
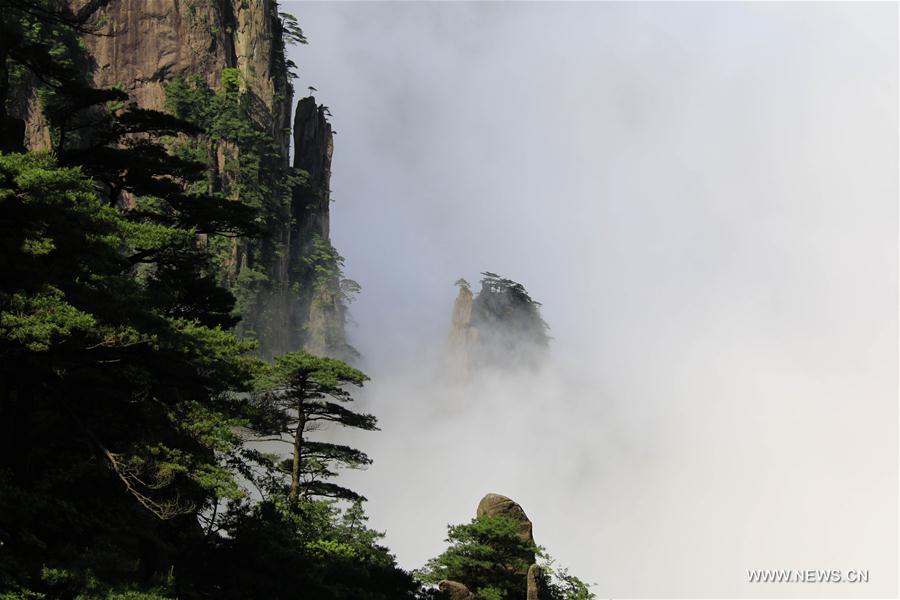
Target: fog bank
(704, 198)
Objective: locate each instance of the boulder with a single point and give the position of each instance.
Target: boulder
(454, 590)
(497, 505)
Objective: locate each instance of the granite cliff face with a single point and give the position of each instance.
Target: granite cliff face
(147, 44)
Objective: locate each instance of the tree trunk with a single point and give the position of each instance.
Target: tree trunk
(298, 443)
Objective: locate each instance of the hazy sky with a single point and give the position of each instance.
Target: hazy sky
(704, 198)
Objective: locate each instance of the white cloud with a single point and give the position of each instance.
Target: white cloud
(704, 197)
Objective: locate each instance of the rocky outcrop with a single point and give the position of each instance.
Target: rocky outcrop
(500, 328)
(461, 334)
(321, 304)
(462, 314)
(313, 149)
(535, 590)
(495, 505)
(453, 590)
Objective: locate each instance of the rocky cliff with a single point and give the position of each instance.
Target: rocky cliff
(321, 305)
(499, 328)
(146, 43)
(289, 284)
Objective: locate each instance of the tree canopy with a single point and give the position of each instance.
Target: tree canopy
(92, 347)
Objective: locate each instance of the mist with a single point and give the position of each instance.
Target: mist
(704, 198)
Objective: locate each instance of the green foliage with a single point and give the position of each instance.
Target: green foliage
(42, 37)
(291, 33)
(114, 401)
(83, 586)
(326, 265)
(36, 321)
(300, 394)
(232, 127)
(309, 549)
(507, 300)
(487, 555)
(490, 557)
(249, 289)
(329, 294)
(242, 164)
(559, 584)
(291, 29)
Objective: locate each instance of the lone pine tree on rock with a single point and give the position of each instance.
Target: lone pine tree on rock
(494, 557)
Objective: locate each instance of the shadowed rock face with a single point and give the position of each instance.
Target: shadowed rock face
(313, 149)
(320, 306)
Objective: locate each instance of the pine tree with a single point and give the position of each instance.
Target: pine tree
(114, 401)
(302, 394)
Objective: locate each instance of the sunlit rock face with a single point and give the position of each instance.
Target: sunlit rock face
(148, 42)
(461, 334)
(535, 588)
(499, 328)
(495, 505)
